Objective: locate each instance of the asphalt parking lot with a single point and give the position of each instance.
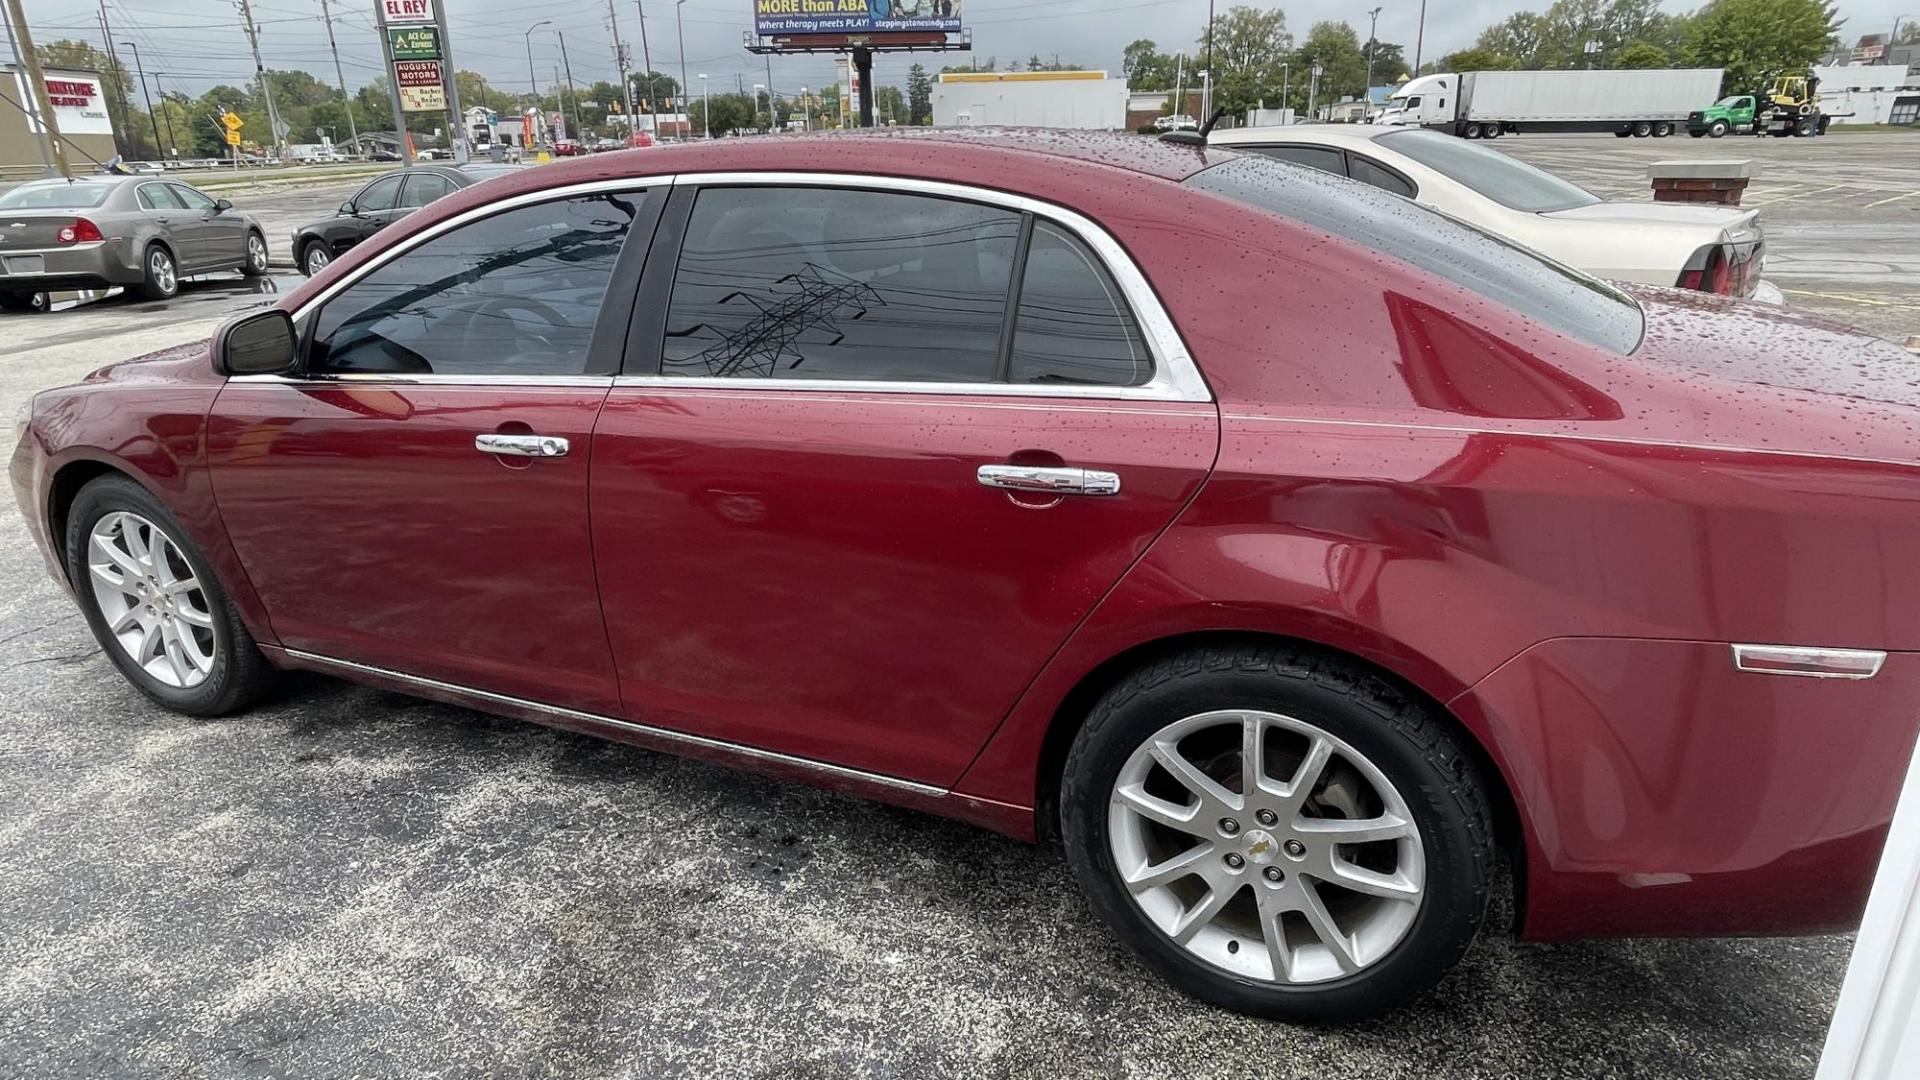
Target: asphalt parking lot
(1841, 212)
(348, 883)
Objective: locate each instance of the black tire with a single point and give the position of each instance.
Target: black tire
(1417, 751)
(257, 258)
(1642, 129)
(1490, 131)
(1622, 133)
(1805, 128)
(1717, 129)
(1662, 129)
(157, 285)
(25, 302)
(240, 674)
(312, 251)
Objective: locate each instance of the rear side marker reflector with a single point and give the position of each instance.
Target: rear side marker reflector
(1808, 661)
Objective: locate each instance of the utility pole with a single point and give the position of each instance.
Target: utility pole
(578, 131)
(620, 61)
(260, 71)
(140, 70)
(1206, 92)
(533, 82)
(773, 111)
(353, 128)
(646, 60)
(37, 106)
(681, 24)
(120, 78)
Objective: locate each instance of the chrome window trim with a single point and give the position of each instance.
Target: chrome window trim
(1175, 375)
(667, 735)
(446, 225)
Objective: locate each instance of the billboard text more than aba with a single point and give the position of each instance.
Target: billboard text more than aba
(854, 16)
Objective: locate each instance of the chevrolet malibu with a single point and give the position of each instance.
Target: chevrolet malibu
(1292, 556)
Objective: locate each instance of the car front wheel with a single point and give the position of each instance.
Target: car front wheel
(154, 604)
(315, 258)
(1278, 833)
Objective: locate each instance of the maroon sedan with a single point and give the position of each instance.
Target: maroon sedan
(1290, 554)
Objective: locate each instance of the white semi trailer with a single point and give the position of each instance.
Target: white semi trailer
(1488, 104)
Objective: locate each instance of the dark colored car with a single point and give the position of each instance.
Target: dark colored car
(379, 204)
(96, 232)
(1293, 555)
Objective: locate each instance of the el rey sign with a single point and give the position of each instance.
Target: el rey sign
(407, 11)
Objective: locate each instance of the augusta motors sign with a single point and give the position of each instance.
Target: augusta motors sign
(407, 11)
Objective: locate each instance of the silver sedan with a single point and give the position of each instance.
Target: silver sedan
(140, 232)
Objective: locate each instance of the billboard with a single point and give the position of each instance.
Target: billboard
(854, 16)
(420, 82)
(79, 105)
(414, 42)
(407, 11)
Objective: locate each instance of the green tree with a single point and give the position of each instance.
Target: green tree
(1249, 47)
(1642, 55)
(655, 91)
(1909, 34)
(1343, 67)
(1146, 67)
(1756, 40)
(919, 96)
(889, 106)
(1521, 35)
(1477, 58)
(1389, 62)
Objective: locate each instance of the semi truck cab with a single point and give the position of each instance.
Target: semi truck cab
(1423, 102)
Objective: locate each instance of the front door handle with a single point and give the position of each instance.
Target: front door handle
(1049, 480)
(521, 445)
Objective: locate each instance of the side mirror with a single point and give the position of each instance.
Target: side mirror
(263, 343)
(221, 206)
(347, 210)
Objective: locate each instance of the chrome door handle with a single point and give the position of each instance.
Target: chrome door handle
(1065, 480)
(521, 445)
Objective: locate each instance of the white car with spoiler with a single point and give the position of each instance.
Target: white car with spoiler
(1718, 249)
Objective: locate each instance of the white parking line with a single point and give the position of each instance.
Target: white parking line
(1895, 198)
(1800, 195)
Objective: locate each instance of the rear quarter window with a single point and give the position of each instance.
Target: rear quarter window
(1556, 296)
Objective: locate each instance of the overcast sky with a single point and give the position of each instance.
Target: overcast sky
(194, 44)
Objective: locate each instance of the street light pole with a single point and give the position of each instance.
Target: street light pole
(1286, 79)
(1206, 83)
(533, 81)
(758, 88)
(646, 58)
(680, 26)
(155, 121)
(1373, 36)
(1419, 37)
(1313, 91)
(706, 106)
(806, 111)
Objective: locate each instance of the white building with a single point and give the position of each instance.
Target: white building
(1055, 99)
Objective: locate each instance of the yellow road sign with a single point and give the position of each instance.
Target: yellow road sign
(233, 138)
(233, 121)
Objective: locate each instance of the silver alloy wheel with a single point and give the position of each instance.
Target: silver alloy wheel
(160, 268)
(256, 252)
(151, 600)
(1331, 853)
(317, 258)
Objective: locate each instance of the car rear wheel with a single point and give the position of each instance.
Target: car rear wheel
(1717, 129)
(154, 604)
(315, 258)
(256, 264)
(162, 281)
(1277, 833)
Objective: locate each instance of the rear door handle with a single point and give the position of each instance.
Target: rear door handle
(1049, 480)
(521, 445)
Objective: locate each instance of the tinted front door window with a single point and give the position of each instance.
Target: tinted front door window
(513, 294)
(380, 195)
(1365, 171)
(813, 283)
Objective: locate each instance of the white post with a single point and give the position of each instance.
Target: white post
(1876, 1025)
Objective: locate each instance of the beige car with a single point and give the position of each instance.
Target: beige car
(1717, 249)
(141, 232)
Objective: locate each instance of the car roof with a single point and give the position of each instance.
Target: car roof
(1325, 134)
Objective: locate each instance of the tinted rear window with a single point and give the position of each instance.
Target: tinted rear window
(1553, 295)
(62, 196)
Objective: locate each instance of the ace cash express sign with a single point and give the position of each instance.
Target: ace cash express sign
(407, 11)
